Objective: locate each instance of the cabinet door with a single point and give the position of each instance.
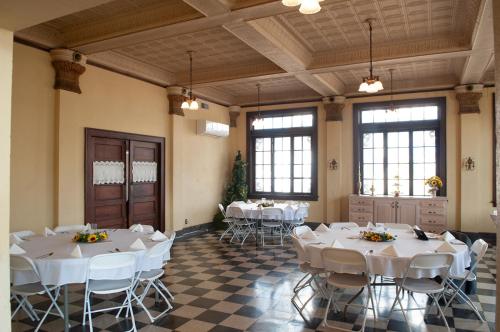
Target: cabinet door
(384, 211)
(407, 212)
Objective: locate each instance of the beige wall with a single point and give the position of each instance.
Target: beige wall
(48, 143)
(469, 193)
(6, 51)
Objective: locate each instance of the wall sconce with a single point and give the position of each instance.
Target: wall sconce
(333, 165)
(469, 164)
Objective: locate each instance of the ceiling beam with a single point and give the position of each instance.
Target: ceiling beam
(215, 95)
(208, 7)
(482, 55)
(201, 24)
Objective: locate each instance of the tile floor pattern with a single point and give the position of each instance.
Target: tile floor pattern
(220, 287)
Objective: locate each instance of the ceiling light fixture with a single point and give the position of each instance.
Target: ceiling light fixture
(258, 119)
(190, 102)
(371, 84)
(307, 7)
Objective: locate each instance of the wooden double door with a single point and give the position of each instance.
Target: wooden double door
(124, 179)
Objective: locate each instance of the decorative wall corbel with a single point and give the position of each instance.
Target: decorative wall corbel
(175, 98)
(234, 113)
(69, 65)
(333, 107)
(468, 97)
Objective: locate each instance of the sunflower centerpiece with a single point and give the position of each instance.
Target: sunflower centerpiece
(377, 237)
(435, 183)
(90, 237)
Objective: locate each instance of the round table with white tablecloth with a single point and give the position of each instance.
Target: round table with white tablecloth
(406, 243)
(61, 268)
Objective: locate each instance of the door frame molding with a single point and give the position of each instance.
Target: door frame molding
(93, 132)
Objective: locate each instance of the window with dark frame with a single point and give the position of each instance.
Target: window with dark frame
(397, 146)
(282, 154)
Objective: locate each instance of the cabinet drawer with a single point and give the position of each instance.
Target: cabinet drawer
(361, 208)
(360, 217)
(432, 220)
(363, 201)
(432, 212)
(433, 204)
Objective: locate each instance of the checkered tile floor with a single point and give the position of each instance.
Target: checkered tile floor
(222, 287)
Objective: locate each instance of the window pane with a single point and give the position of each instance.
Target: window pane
(259, 184)
(287, 121)
(378, 140)
(297, 186)
(378, 155)
(297, 143)
(297, 121)
(277, 122)
(368, 140)
(368, 156)
(306, 186)
(267, 144)
(268, 123)
(367, 117)
(306, 143)
(307, 120)
(306, 171)
(297, 171)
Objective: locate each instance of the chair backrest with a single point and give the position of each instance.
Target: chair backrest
(301, 213)
(272, 213)
(429, 266)
(405, 227)
(113, 266)
(20, 263)
(479, 248)
(337, 226)
(70, 228)
(154, 256)
(170, 241)
(237, 212)
(299, 247)
(24, 234)
(221, 208)
(298, 231)
(341, 260)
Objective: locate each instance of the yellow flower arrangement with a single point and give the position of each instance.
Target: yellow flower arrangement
(103, 235)
(85, 237)
(92, 238)
(434, 182)
(377, 237)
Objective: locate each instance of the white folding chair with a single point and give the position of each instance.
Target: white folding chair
(419, 278)
(272, 219)
(21, 292)
(339, 226)
(110, 274)
(243, 227)
(347, 270)
(166, 258)
(404, 227)
(478, 249)
(226, 220)
(311, 276)
(70, 228)
(145, 228)
(149, 276)
(298, 219)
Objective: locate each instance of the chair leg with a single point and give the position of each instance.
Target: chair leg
(440, 311)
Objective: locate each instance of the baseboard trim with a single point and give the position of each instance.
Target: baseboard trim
(190, 231)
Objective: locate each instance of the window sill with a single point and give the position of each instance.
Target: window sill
(284, 197)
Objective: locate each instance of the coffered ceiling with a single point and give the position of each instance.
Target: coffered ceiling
(430, 44)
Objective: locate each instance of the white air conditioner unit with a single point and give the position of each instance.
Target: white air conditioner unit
(210, 128)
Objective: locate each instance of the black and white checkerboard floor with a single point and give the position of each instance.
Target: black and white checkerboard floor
(222, 287)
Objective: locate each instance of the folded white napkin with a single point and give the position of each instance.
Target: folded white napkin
(15, 239)
(322, 228)
(390, 251)
(337, 244)
(16, 250)
(447, 236)
(370, 225)
(137, 228)
(249, 201)
(138, 245)
(416, 227)
(158, 236)
(77, 252)
(308, 235)
(88, 227)
(446, 247)
(48, 232)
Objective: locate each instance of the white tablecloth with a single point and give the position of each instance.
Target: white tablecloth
(60, 268)
(406, 244)
(252, 210)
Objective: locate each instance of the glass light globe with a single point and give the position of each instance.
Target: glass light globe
(378, 85)
(291, 3)
(185, 105)
(363, 87)
(194, 105)
(371, 88)
(309, 7)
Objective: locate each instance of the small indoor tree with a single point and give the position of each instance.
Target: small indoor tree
(236, 190)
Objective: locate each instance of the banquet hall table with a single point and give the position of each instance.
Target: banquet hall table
(254, 212)
(60, 268)
(406, 244)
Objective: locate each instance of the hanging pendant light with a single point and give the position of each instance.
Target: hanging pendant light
(258, 121)
(190, 102)
(371, 84)
(307, 7)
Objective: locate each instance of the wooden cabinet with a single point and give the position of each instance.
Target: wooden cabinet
(428, 213)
